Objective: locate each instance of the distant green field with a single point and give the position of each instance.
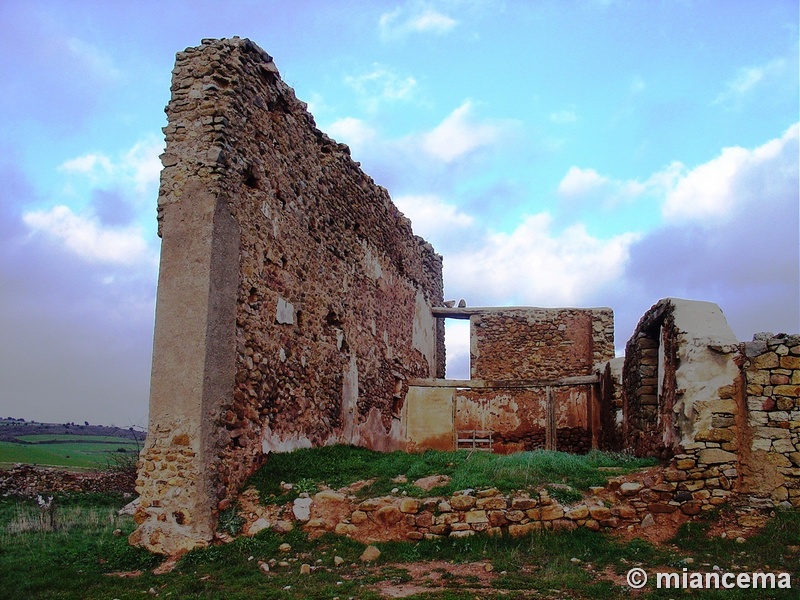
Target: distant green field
(71, 454)
(69, 437)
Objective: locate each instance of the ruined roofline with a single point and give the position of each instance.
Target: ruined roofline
(698, 318)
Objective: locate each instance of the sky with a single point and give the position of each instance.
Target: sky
(556, 153)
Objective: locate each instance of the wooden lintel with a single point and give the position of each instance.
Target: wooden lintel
(443, 312)
(500, 384)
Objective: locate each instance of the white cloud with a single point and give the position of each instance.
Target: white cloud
(716, 188)
(457, 334)
(564, 117)
(353, 132)
(93, 165)
(731, 238)
(713, 190)
(535, 265)
(92, 56)
(87, 238)
(142, 164)
(382, 85)
(433, 218)
(747, 79)
(579, 181)
(418, 19)
(585, 185)
(458, 135)
(138, 167)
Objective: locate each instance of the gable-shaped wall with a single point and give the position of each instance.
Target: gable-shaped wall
(294, 301)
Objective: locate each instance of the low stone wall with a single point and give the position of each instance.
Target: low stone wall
(772, 371)
(630, 503)
(26, 481)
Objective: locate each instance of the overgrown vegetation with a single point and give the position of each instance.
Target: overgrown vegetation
(338, 466)
(75, 560)
(230, 522)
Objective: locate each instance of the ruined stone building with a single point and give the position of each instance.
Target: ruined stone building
(297, 308)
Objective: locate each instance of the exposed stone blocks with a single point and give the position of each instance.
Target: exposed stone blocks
(681, 380)
(468, 512)
(725, 414)
(540, 344)
(625, 503)
(772, 370)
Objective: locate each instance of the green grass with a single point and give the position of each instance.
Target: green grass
(338, 466)
(70, 560)
(74, 561)
(70, 437)
(70, 454)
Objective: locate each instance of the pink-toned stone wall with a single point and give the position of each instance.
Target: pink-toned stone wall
(540, 343)
(294, 299)
(519, 418)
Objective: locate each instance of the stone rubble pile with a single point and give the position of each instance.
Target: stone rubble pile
(27, 481)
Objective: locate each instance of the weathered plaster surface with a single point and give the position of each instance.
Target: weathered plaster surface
(294, 300)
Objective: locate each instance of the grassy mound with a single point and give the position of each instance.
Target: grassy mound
(339, 466)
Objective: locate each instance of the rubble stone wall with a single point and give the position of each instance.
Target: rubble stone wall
(294, 299)
(677, 379)
(539, 343)
(772, 464)
(725, 415)
(28, 481)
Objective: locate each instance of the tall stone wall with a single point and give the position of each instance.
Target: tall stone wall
(539, 343)
(294, 300)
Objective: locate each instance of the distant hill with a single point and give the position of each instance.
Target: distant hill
(11, 429)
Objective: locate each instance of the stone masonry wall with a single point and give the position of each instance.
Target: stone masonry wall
(631, 503)
(732, 424)
(651, 346)
(772, 371)
(519, 418)
(294, 299)
(540, 344)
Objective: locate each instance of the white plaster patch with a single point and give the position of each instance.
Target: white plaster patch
(423, 333)
(339, 339)
(371, 264)
(349, 401)
(276, 442)
(284, 313)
